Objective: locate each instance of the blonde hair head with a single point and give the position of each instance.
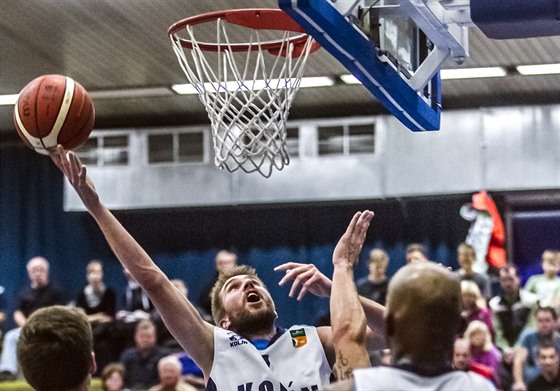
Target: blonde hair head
(477, 325)
(468, 286)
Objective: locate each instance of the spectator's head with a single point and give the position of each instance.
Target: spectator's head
(462, 354)
(169, 369)
(423, 313)
(112, 377)
(550, 263)
(546, 320)
(181, 286)
(478, 335)
(548, 359)
(145, 336)
(509, 280)
(415, 252)
(470, 294)
(94, 272)
(225, 260)
(466, 255)
(241, 302)
(38, 272)
(55, 349)
(378, 261)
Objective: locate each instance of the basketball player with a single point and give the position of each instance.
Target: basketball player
(245, 350)
(55, 350)
(422, 318)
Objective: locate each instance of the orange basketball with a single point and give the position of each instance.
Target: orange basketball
(52, 110)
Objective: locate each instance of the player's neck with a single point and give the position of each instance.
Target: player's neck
(265, 334)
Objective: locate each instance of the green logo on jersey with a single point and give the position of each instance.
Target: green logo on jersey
(298, 338)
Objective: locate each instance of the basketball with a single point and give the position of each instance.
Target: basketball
(52, 110)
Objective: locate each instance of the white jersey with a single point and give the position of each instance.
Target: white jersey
(295, 361)
(395, 379)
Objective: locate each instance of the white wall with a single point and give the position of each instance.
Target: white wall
(512, 148)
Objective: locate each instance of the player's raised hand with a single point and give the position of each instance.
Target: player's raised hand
(306, 277)
(76, 173)
(350, 244)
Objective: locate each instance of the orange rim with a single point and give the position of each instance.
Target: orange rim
(254, 18)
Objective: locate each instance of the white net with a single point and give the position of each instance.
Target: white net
(247, 94)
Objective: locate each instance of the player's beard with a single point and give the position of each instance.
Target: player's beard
(247, 323)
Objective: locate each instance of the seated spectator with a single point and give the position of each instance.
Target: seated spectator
(466, 256)
(549, 379)
(38, 294)
(525, 363)
(513, 312)
(98, 302)
(462, 360)
(140, 362)
(112, 377)
(133, 305)
(470, 297)
(482, 349)
(224, 260)
(547, 285)
(416, 252)
(169, 369)
(374, 285)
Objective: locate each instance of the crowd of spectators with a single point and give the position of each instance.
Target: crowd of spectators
(512, 337)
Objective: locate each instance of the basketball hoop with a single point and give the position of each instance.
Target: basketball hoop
(246, 79)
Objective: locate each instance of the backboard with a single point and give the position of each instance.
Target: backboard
(393, 47)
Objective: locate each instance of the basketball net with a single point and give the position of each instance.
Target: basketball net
(247, 91)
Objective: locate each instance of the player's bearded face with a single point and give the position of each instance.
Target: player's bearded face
(253, 321)
(248, 305)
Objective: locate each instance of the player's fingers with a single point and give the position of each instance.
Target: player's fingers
(292, 269)
(297, 275)
(287, 266)
(353, 222)
(301, 283)
(307, 285)
(83, 175)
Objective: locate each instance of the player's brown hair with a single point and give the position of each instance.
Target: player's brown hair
(55, 348)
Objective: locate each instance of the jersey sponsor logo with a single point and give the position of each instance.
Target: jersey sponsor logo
(299, 338)
(236, 340)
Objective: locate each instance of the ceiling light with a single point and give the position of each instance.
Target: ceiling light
(127, 93)
(541, 69)
(319, 81)
(350, 79)
(8, 99)
(472, 73)
(306, 82)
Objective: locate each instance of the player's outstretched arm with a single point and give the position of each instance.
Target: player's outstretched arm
(179, 315)
(348, 320)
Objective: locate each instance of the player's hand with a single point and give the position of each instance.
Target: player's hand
(305, 277)
(350, 244)
(76, 173)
